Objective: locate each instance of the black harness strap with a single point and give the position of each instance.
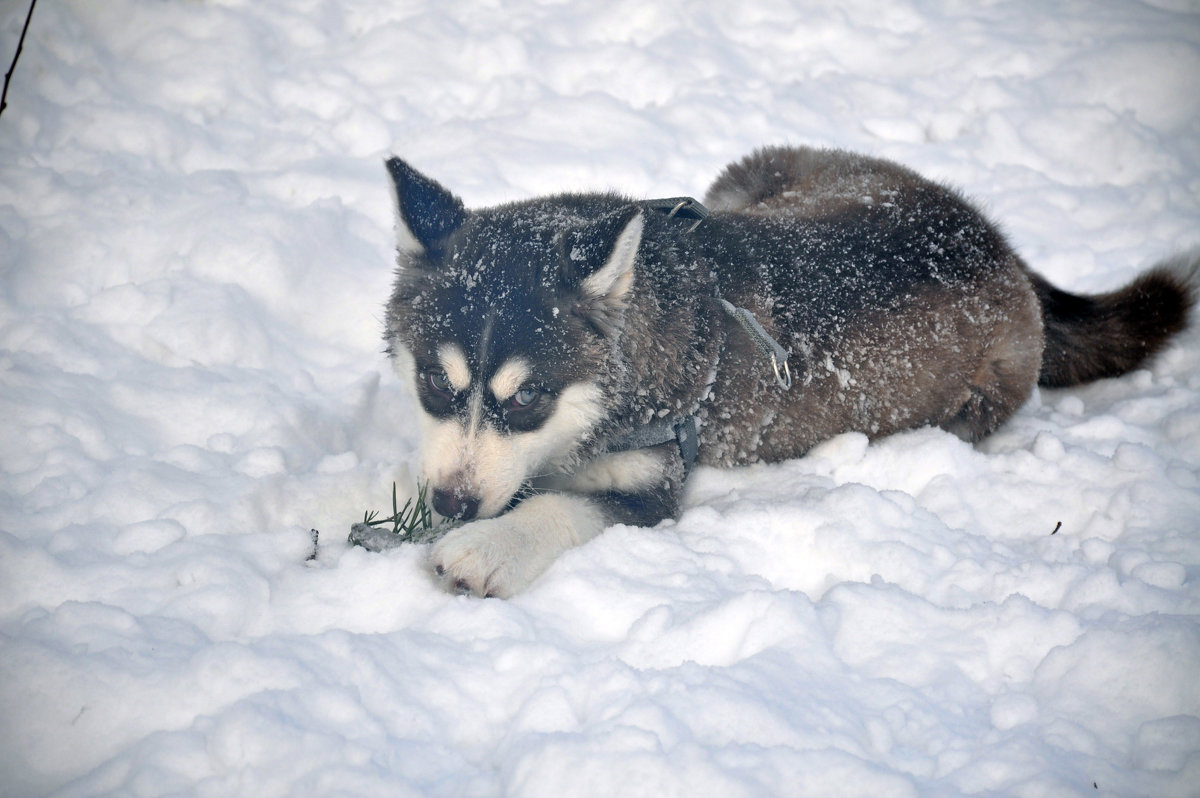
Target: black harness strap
(683, 432)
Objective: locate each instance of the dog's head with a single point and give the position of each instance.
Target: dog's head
(506, 321)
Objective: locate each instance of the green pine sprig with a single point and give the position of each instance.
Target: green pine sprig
(412, 523)
(410, 520)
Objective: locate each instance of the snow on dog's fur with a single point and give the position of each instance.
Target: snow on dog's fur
(545, 337)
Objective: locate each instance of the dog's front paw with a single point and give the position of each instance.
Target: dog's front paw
(502, 556)
(487, 558)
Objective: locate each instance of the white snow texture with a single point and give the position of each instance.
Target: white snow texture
(195, 248)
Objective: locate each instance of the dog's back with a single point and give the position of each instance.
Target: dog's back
(901, 305)
(1086, 337)
(805, 180)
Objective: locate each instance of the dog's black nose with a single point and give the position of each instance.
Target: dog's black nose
(452, 504)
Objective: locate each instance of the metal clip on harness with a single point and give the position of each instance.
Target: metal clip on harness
(679, 207)
(768, 345)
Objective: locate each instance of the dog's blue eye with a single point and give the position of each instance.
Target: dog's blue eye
(523, 398)
(439, 381)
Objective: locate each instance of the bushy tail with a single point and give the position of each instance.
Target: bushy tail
(1090, 337)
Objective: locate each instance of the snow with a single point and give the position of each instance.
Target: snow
(195, 247)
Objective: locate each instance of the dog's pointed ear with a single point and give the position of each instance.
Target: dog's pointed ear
(604, 254)
(426, 213)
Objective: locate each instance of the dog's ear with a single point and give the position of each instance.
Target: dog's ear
(602, 256)
(425, 212)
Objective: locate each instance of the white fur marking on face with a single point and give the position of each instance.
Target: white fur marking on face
(614, 279)
(444, 451)
(454, 363)
(496, 464)
(508, 378)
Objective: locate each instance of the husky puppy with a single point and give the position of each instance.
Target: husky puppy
(572, 355)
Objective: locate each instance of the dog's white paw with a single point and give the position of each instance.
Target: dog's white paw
(486, 558)
(502, 556)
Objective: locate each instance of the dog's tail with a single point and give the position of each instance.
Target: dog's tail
(1091, 337)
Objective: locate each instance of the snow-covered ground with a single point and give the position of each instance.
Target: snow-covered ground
(195, 245)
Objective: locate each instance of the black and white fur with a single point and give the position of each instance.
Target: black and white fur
(538, 333)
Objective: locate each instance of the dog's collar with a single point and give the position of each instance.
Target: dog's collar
(682, 431)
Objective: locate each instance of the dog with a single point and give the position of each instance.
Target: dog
(574, 355)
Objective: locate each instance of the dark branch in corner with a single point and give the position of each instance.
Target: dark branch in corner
(16, 55)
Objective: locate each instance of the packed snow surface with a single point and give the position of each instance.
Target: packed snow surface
(195, 248)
